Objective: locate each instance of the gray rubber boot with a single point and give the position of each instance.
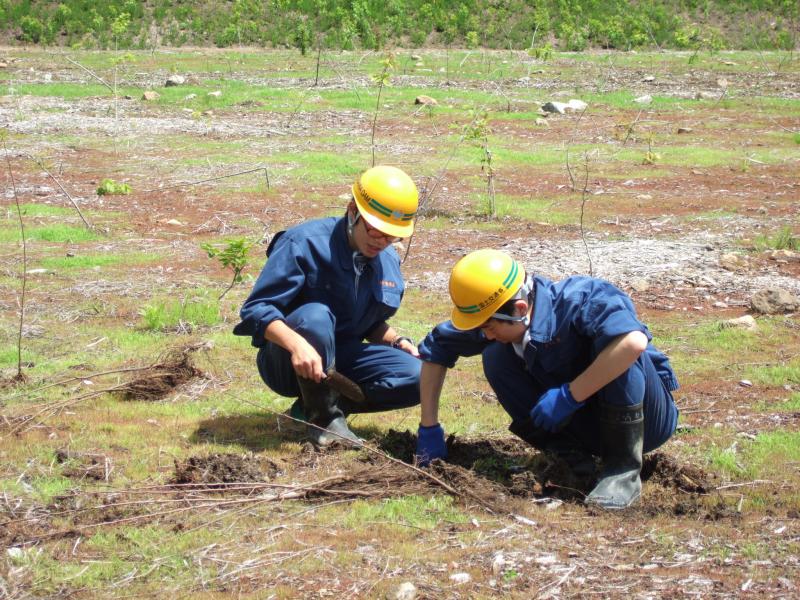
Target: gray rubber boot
(321, 408)
(622, 432)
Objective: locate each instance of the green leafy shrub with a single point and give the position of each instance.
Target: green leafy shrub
(32, 29)
(233, 256)
(109, 187)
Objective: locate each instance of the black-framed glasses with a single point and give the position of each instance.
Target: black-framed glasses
(377, 234)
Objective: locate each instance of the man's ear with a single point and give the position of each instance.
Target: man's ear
(520, 307)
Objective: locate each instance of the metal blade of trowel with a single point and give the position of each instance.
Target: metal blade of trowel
(344, 385)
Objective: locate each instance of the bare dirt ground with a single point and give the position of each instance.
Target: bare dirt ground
(665, 236)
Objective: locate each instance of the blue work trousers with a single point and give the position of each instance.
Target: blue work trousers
(388, 377)
(518, 392)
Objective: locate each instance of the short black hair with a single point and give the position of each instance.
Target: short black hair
(508, 307)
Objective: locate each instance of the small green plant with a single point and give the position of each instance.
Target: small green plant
(382, 79)
(233, 256)
(478, 131)
(543, 52)
(796, 138)
(109, 187)
(785, 239)
(650, 157)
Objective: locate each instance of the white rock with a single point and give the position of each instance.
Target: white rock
(174, 80)
(460, 578)
(577, 105)
(648, 78)
(15, 553)
(646, 99)
(746, 383)
(215, 93)
(745, 322)
(498, 563)
(406, 591)
(546, 559)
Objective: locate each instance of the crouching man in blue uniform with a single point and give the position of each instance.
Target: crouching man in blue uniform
(329, 285)
(570, 362)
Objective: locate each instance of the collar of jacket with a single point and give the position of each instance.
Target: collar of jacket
(543, 320)
(341, 246)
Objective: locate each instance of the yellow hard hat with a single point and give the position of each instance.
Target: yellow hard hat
(480, 283)
(387, 199)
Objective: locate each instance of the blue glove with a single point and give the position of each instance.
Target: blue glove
(430, 444)
(554, 407)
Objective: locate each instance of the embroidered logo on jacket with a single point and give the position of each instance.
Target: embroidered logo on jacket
(387, 283)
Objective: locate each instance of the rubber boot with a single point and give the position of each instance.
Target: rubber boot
(321, 408)
(622, 432)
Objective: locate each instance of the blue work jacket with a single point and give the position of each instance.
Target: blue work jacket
(573, 321)
(313, 262)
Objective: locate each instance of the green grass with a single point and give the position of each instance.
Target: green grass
(49, 233)
(38, 210)
(416, 511)
(783, 239)
(196, 311)
(90, 261)
(67, 91)
(776, 375)
(47, 488)
(771, 451)
(540, 210)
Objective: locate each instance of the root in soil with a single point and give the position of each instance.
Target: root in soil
(159, 380)
(224, 468)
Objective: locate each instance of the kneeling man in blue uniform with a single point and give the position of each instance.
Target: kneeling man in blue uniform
(570, 362)
(323, 300)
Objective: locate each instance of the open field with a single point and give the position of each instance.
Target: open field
(143, 456)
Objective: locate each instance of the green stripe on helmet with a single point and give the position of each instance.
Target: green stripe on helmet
(512, 275)
(380, 207)
(469, 309)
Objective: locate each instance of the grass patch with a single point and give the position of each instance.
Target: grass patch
(191, 312)
(776, 375)
(540, 210)
(771, 451)
(49, 233)
(91, 261)
(38, 210)
(67, 91)
(784, 239)
(417, 511)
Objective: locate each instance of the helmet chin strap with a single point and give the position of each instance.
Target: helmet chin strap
(352, 221)
(524, 293)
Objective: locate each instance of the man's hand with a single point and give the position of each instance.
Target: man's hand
(406, 345)
(306, 361)
(430, 444)
(554, 407)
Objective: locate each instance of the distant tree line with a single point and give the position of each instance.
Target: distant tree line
(373, 24)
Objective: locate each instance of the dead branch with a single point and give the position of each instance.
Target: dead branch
(68, 59)
(58, 183)
(20, 376)
(176, 185)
